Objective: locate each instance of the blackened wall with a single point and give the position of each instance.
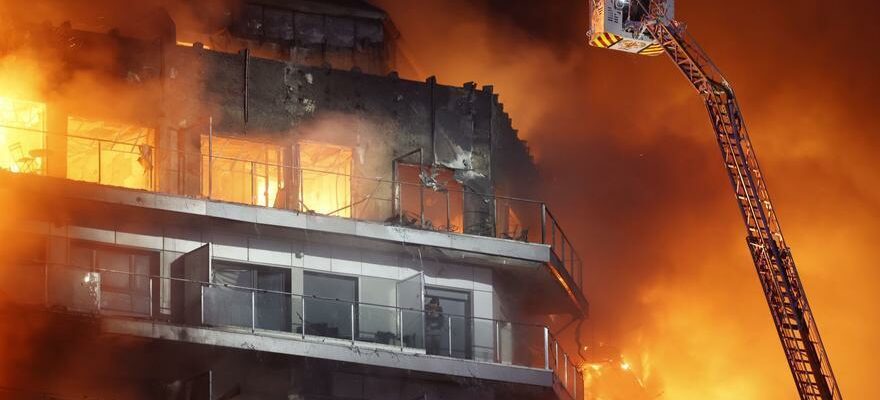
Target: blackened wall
(381, 117)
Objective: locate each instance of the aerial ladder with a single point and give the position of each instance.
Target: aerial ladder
(648, 27)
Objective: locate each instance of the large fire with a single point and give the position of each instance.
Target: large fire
(630, 163)
(22, 135)
(628, 155)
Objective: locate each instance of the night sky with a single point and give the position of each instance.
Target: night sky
(632, 169)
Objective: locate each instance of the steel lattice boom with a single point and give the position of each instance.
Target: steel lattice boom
(779, 278)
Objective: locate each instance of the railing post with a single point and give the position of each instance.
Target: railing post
(303, 313)
(253, 311)
(352, 322)
(546, 348)
(580, 269)
(97, 291)
(449, 333)
(565, 358)
(151, 297)
(201, 304)
(395, 191)
(495, 232)
(154, 159)
(543, 223)
(302, 191)
(46, 284)
(265, 193)
(421, 202)
(254, 197)
(556, 354)
(210, 157)
(563, 253)
(497, 342)
(278, 174)
(448, 218)
(400, 328)
(99, 162)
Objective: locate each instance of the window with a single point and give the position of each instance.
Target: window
(124, 276)
(242, 171)
(233, 305)
(377, 317)
(326, 179)
(22, 136)
(447, 321)
(110, 153)
(330, 318)
(433, 190)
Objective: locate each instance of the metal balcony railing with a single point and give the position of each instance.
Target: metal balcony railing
(109, 292)
(426, 205)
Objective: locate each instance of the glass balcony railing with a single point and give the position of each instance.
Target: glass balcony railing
(271, 181)
(109, 292)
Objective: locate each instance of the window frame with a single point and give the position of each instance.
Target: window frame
(152, 292)
(356, 298)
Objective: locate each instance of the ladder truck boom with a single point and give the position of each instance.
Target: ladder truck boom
(647, 27)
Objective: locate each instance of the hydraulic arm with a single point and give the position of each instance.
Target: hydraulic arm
(773, 260)
(648, 29)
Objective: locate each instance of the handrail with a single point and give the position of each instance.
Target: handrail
(48, 133)
(285, 166)
(269, 291)
(561, 244)
(567, 383)
(550, 343)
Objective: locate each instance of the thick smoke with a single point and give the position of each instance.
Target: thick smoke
(632, 169)
(41, 59)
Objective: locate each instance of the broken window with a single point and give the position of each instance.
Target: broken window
(518, 220)
(22, 135)
(431, 193)
(110, 153)
(242, 171)
(325, 179)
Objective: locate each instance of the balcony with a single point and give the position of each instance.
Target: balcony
(306, 178)
(414, 337)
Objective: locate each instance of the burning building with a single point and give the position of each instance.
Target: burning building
(241, 201)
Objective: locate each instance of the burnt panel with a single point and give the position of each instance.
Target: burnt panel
(369, 31)
(308, 29)
(250, 24)
(340, 32)
(278, 24)
(454, 127)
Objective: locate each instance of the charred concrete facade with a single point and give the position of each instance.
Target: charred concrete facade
(264, 209)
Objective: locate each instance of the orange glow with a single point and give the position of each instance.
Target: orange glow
(22, 135)
(241, 171)
(191, 44)
(632, 171)
(110, 153)
(443, 208)
(326, 178)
